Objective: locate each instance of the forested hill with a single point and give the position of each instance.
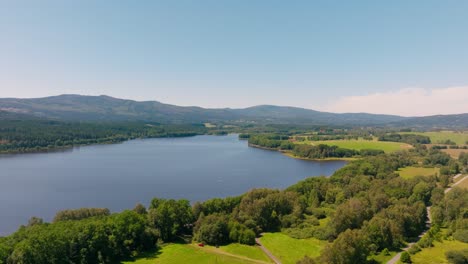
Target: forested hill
(98, 108)
(94, 108)
(437, 121)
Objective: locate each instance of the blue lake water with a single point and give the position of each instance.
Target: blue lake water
(118, 176)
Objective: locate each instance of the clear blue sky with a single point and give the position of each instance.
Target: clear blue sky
(231, 53)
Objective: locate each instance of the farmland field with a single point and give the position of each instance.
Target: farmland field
(440, 137)
(362, 144)
(290, 250)
(410, 172)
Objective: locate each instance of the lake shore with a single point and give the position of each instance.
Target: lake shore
(291, 155)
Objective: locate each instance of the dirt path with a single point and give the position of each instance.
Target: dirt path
(221, 252)
(267, 252)
(455, 184)
(396, 258)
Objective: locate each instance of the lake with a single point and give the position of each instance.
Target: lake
(118, 176)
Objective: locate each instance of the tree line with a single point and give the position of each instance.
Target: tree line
(42, 135)
(321, 151)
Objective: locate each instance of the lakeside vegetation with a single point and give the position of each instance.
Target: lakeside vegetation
(19, 136)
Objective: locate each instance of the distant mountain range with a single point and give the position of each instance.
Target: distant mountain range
(105, 108)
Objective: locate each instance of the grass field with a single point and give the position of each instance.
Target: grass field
(290, 250)
(382, 258)
(463, 184)
(438, 137)
(454, 153)
(436, 254)
(362, 144)
(253, 252)
(189, 253)
(410, 172)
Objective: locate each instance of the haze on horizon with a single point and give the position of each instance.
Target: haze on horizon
(402, 57)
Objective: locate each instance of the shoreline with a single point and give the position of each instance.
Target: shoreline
(71, 147)
(289, 154)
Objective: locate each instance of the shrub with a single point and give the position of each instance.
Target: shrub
(461, 235)
(457, 256)
(405, 257)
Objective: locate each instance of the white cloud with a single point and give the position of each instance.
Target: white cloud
(406, 102)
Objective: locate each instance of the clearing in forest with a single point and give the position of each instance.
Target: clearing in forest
(410, 172)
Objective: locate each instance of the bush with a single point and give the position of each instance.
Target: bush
(457, 256)
(461, 235)
(405, 257)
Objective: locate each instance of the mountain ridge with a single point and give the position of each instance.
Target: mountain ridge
(74, 107)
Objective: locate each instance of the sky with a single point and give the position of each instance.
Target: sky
(393, 57)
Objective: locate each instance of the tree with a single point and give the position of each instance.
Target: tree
(170, 217)
(140, 209)
(212, 230)
(350, 247)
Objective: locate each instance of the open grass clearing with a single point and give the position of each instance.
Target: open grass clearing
(253, 252)
(460, 138)
(382, 258)
(189, 253)
(410, 172)
(209, 125)
(454, 153)
(436, 254)
(463, 184)
(290, 250)
(362, 144)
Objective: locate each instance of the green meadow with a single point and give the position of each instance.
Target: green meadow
(436, 254)
(290, 250)
(191, 253)
(410, 172)
(439, 137)
(362, 144)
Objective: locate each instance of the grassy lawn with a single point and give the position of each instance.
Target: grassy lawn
(186, 253)
(438, 137)
(410, 172)
(362, 144)
(382, 258)
(253, 252)
(436, 254)
(290, 250)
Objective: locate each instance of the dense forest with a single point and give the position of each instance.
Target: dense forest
(370, 207)
(42, 135)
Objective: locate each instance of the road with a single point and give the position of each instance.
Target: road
(396, 258)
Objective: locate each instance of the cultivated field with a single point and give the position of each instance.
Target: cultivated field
(410, 172)
(362, 144)
(290, 250)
